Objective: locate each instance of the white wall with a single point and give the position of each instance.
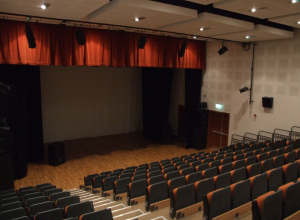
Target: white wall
(276, 74)
(79, 102)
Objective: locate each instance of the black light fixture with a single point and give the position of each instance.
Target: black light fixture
(141, 42)
(80, 37)
(182, 49)
(30, 36)
(223, 49)
(244, 89)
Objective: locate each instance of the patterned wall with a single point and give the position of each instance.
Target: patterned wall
(276, 74)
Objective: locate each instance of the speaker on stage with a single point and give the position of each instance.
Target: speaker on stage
(56, 154)
(200, 129)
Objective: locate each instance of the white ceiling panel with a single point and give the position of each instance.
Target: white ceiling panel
(265, 8)
(123, 12)
(290, 20)
(212, 24)
(203, 2)
(66, 9)
(260, 33)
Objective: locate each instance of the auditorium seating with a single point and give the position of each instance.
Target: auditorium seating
(266, 165)
(203, 187)
(176, 182)
(9, 200)
(240, 193)
(62, 203)
(211, 172)
(290, 172)
(253, 170)
(268, 206)
(136, 192)
(78, 209)
(53, 214)
(9, 206)
(50, 191)
(222, 180)
(278, 161)
(88, 181)
(104, 214)
(193, 177)
(274, 178)
(33, 201)
(259, 185)
(39, 207)
(289, 157)
(291, 198)
(238, 175)
(119, 188)
(12, 214)
(107, 185)
(155, 179)
(171, 175)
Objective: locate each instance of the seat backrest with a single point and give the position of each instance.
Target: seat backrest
(215, 163)
(168, 170)
(120, 185)
(119, 170)
(193, 177)
(44, 188)
(39, 207)
(248, 154)
(211, 172)
(266, 149)
(108, 182)
(30, 195)
(266, 165)
(139, 172)
(156, 192)
(9, 200)
(203, 187)
(24, 192)
(225, 168)
(152, 169)
(154, 163)
(171, 175)
(176, 182)
(240, 193)
(130, 168)
(126, 175)
(183, 166)
(65, 201)
(9, 206)
(88, 180)
(290, 172)
(178, 163)
(280, 151)
(238, 175)
(49, 215)
(272, 153)
(278, 161)
(269, 205)
(50, 191)
(290, 157)
(291, 195)
(140, 177)
(182, 197)
(259, 185)
(238, 157)
(165, 166)
(13, 213)
(102, 214)
(274, 178)
(217, 202)
(226, 160)
(55, 196)
(35, 200)
(207, 160)
(202, 167)
(98, 181)
(41, 185)
(186, 171)
(155, 179)
(289, 148)
(253, 169)
(105, 173)
(238, 164)
(261, 157)
(250, 160)
(78, 209)
(136, 189)
(154, 173)
(222, 180)
(195, 163)
(9, 191)
(25, 188)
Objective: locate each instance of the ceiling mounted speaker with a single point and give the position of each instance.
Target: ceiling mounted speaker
(182, 49)
(80, 37)
(141, 42)
(30, 36)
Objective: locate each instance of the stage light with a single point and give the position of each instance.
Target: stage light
(253, 10)
(201, 29)
(45, 6)
(219, 106)
(223, 49)
(244, 89)
(30, 36)
(136, 19)
(141, 42)
(80, 37)
(182, 49)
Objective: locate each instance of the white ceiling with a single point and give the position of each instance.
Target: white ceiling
(165, 17)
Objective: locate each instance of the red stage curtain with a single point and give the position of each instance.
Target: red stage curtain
(57, 45)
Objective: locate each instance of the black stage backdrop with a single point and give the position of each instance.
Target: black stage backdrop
(156, 86)
(193, 79)
(23, 109)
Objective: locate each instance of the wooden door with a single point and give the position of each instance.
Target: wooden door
(218, 129)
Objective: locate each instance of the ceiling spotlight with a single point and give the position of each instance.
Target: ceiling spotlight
(253, 10)
(298, 22)
(136, 19)
(195, 37)
(223, 49)
(248, 37)
(295, 1)
(45, 6)
(201, 29)
(244, 89)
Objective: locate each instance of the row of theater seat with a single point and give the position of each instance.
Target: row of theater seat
(255, 146)
(46, 202)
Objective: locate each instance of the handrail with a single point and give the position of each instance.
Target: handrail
(263, 137)
(236, 140)
(250, 139)
(280, 136)
(295, 134)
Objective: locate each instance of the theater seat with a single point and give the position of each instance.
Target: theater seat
(156, 196)
(203, 187)
(78, 209)
(290, 172)
(266, 165)
(268, 206)
(278, 161)
(39, 207)
(104, 214)
(9, 206)
(274, 178)
(186, 171)
(259, 185)
(291, 198)
(202, 167)
(250, 160)
(238, 175)
(240, 193)
(222, 180)
(193, 177)
(136, 192)
(13, 213)
(225, 168)
(53, 214)
(253, 170)
(176, 182)
(171, 175)
(181, 197)
(289, 157)
(216, 203)
(238, 164)
(120, 188)
(211, 172)
(155, 179)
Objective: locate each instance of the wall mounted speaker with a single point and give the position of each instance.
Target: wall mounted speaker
(267, 102)
(30, 36)
(141, 42)
(80, 37)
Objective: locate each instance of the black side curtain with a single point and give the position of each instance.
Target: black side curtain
(22, 107)
(193, 79)
(156, 86)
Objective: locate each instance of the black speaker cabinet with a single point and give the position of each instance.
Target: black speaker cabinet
(267, 102)
(200, 129)
(6, 172)
(56, 154)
